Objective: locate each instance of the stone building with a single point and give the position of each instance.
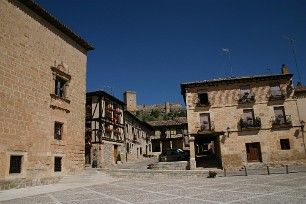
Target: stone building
(242, 121)
(300, 96)
(129, 98)
(170, 134)
(131, 105)
(104, 137)
(137, 138)
(111, 131)
(42, 89)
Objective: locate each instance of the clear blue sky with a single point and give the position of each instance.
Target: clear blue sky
(152, 46)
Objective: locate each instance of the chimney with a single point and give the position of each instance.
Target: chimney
(284, 69)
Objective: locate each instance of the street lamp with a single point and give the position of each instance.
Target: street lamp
(228, 129)
(302, 127)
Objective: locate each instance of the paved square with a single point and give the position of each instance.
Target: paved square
(275, 188)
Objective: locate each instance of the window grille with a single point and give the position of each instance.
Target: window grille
(285, 144)
(60, 87)
(57, 164)
(15, 164)
(58, 130)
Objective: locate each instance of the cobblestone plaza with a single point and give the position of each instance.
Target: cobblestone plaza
(98, 187)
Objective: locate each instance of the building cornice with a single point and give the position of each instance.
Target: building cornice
(56, 23)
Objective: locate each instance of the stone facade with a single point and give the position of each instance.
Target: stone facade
(240, 121)
(112, 131)
(104, 139)
(166, 108)
(300, 95)
(170, 134)
(131, 105)
(137, 138)
(42, 89)
(130, 100)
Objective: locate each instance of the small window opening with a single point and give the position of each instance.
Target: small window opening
(57, 164)
(285, 144)
(58, 131)
(15, 164)
(60, 87)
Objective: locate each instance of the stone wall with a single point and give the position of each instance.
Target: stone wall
(225, 111)
(29, 48)
(160, 107)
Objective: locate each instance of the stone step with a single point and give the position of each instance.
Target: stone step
(88, 176)
(257, 165)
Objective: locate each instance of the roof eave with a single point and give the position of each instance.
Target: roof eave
(56, 23)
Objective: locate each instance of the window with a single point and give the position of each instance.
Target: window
(61, 80)
(205, 122)
(248, 115)
(179, 131)
(60, 87)
(248, 120)
(275, 90)
(279, 115)
(15, 164)
(285, 144)
(203, 97)
(246, 95)
(245, 90)
(163, 134)
(58, 131)
(57, 164)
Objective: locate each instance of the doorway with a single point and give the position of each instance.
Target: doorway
(115, 153)
(207, 151)
(253, 152)
(87, 154)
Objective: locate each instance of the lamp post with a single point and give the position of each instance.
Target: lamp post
(302, 127)
(228, 129)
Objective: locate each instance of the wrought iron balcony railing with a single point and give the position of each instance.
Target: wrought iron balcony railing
(276, 95)
(281, 121)
(207, 126)
(246, 98)
(252, 123)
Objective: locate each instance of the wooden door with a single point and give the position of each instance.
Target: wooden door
(87, 154)
(253, 152)
(115, 153)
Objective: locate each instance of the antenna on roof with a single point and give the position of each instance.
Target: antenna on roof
(293, 45)
(228, 52)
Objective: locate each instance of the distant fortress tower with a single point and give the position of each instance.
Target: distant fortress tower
(130, 100)
(131, 105)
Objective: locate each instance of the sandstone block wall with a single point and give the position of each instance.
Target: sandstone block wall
(29, 47)
(226, 112)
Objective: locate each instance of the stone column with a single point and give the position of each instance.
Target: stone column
(192, 153)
